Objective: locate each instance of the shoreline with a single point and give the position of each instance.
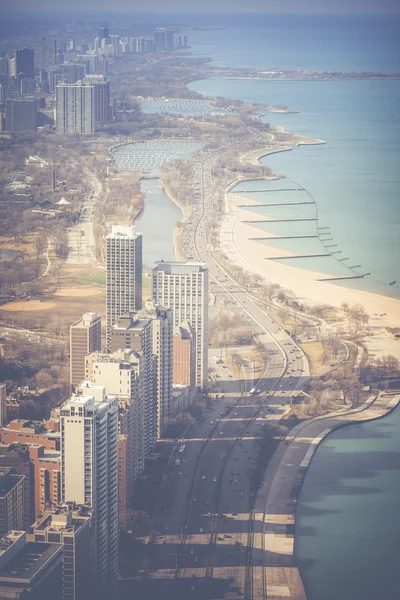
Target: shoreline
(286, 472)
(234, 241)
(178, 250)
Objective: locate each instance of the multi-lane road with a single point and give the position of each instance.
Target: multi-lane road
(206, 545)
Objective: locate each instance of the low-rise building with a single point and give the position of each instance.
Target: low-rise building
(26, 431)
(73, 529)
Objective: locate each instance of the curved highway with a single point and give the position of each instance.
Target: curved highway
(205, 546)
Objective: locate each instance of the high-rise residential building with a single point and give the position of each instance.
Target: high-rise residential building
(27, 86)
(102, 109)
(11, 500)
(73, 72)
(4, 65)
(159, 37)
(90, 62)
(183, 287)
(169, 39)
(47, 477)
(85, 337)
(136, 333)
(184, 356)
(3, 404)
(73, 529)
(123, 273)
(75, 108)
(162, 350)
(16, 456)
(45, 53)
(89, 457)
(24, 62)
(20, 114)
(123, 374)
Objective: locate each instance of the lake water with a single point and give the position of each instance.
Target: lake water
(348, 518)
(156, 223)
(159, 216)
(348, 515)
(354, 177)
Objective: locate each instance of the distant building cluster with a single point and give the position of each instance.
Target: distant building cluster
(65, 84)
(67, 484)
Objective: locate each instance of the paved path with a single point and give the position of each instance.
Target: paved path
(275, 570)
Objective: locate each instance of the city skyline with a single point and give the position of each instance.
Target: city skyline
(165, 398)
(340, 7)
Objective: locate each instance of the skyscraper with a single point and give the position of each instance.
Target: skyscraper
(20, 114)
(184, 356)
(45, 53)
(3, 404)
(162, 349)
(75, 107)
(89, 457)
(159, 37)
(123, 374)
(85, 337)
(24, 62)
(11, 500)
(123, 273)
(136, 333)
(183, 287)
(102, 108)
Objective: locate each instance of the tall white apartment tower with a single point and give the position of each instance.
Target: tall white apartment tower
(183, 287)
(89, 466)
(162, 344)
(123, 273)
(122, 372)
(75, 108)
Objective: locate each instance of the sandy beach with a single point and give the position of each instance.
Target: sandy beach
(253, 257)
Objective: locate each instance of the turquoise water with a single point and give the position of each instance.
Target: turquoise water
(156, 223)
(348, 518)
(354, 177)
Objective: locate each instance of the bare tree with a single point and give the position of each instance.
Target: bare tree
(40, 244)
(57, 270)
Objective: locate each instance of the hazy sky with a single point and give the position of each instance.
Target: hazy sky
(209, 6)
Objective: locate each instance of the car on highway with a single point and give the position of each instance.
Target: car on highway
(203, 476)
(214, 479)
(221, 433)
(201, 530)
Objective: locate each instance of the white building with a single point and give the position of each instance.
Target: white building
(183, 287)
(89, 467)
(122, 374)
(162, 344)
(123, 273)
(136, 333)
(75, 108)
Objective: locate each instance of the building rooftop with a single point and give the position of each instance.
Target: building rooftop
(8, 480)
(128, 322)
(87, 319)
(128, 231)
(29, 561)
(9, 539)
(176, 268)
